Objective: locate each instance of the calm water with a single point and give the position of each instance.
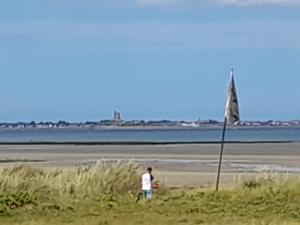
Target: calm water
(186, 135)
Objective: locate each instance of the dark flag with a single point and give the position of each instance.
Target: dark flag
(232, 107)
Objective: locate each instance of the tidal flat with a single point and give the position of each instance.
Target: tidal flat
(175, 165)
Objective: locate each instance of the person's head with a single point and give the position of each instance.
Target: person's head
(149, 169)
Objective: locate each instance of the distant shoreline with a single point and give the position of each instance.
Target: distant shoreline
(130, 143)
(150, 128)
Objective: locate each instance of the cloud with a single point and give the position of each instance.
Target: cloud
(240, 3)
(260, 2)
(162, 2)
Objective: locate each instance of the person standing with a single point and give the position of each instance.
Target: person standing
(147, 180)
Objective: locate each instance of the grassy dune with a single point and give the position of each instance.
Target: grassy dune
(107, 194)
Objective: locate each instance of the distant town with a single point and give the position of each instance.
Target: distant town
(117, 122)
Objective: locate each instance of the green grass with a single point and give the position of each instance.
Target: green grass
(107, 194)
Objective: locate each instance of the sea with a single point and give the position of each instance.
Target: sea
(282, 134)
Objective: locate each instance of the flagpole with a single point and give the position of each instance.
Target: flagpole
(231, 115)
(221, 152)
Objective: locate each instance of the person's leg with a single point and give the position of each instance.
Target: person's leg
(145, 193)
(149, 194)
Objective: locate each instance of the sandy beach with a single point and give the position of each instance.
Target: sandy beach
(174, 165)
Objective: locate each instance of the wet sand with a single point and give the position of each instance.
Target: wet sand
(174, 165)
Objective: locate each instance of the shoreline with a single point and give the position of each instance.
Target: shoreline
(151, 128)
(141, 142)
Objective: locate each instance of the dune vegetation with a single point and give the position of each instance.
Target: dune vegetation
(105, 194)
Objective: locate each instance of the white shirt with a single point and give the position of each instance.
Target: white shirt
(146, 182)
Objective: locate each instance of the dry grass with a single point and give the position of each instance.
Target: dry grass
(106, 194)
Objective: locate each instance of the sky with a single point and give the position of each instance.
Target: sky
(79, 60)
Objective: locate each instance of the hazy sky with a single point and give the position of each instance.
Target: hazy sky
(79, 60)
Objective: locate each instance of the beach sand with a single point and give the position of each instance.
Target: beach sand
(174, 165)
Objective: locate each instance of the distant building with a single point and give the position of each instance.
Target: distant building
(117, 118)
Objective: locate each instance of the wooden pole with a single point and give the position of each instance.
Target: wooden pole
(221, 153)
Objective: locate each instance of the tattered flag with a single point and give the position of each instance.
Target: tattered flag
(232, 107)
